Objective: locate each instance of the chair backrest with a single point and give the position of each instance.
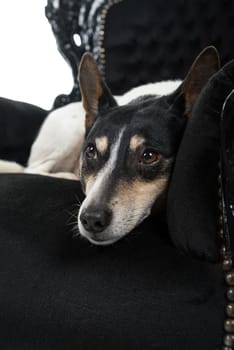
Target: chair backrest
(137, 41)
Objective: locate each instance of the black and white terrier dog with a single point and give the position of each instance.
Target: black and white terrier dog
(129, 151)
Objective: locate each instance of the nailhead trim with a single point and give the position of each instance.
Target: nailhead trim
(228, 340)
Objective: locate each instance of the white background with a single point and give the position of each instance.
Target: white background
(31, 68)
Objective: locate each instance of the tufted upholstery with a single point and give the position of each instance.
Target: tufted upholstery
(143, 41)
(156, 40)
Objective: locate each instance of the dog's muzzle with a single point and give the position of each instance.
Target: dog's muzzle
(95, 221)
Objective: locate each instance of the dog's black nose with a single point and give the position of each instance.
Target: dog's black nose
(95, 220)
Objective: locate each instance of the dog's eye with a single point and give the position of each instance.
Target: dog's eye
(91, 152)
(149, 156)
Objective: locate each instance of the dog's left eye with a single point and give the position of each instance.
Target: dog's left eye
(91, 152)
(149, 156)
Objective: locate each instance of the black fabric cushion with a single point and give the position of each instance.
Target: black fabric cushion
(147, 41)
(61, 293)
(193, 193)
(19, 124)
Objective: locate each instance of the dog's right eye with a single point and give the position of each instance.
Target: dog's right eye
(149, 156)
(91, 152)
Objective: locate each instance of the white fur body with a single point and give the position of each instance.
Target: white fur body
(59, 142)
(161, 89)
(10, 167)
(57, 148)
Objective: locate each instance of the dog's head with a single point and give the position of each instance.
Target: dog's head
(129, 150)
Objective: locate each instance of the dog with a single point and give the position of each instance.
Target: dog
(122, 148)
(129, 150)
(56, 149)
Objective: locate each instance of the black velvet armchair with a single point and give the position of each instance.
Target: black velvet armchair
(163, 287)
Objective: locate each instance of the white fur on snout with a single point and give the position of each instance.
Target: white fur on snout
(94, 191)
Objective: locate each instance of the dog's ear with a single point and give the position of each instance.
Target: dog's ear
(96, 96)
(205, 65)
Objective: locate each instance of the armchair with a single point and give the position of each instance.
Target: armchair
(163, 287)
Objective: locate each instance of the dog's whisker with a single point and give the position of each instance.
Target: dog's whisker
(72, 223)
(78, 199)
(76, 205)
(71, 218)
(75, 232)
(72, 215)
(75, 229)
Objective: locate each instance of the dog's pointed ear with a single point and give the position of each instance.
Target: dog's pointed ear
(205, 65)
(96, 96)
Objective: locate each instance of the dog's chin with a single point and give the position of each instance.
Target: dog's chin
(102, 242)
(102, 239)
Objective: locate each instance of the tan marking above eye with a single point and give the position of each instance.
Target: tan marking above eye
(101, 144)
(135, 142)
